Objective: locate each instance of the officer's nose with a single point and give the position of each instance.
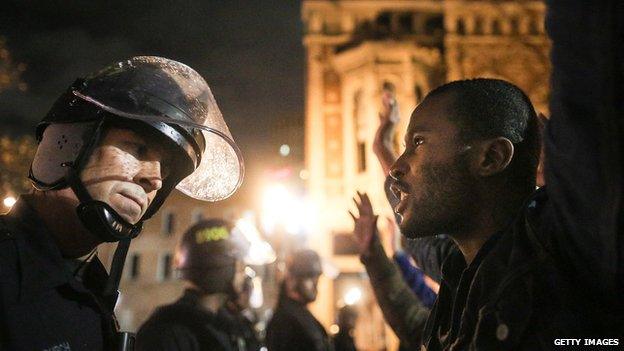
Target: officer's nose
(149, 176)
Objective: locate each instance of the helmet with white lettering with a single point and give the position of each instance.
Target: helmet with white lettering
(208, 253)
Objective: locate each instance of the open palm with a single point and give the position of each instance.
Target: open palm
(365, 224)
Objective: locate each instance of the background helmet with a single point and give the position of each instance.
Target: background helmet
(163, 98)
(304, 263)
(208, 253)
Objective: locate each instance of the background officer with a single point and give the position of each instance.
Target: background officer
(210, 258)
(293, 327)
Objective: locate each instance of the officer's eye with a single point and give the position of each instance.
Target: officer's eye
(142, 150)
(137, 150)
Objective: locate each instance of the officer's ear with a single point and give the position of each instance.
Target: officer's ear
(492, 156)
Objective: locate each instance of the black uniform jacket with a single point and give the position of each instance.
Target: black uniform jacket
(243, 327)
(293, 327)
(186, 326)
(43, 306)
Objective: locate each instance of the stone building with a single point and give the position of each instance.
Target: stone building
(353, 48)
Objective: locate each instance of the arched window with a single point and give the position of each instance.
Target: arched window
(461, 26)
(478, 27)
(434, 25)
(534, 26)
(135, 266)
(164, 266)
(514, 25)
(405, 23)
(496, 27)
(168, 223)
(360, 131)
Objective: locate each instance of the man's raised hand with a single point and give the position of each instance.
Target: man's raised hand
(365, 228)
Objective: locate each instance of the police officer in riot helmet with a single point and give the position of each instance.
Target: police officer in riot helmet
(237, 309)
(293, 326)
(210, 258)
(111, 149)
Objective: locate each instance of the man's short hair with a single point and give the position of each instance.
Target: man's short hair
(486, 108)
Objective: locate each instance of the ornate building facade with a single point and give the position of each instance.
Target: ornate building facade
(353, 48)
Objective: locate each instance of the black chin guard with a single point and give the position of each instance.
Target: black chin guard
(99, 218)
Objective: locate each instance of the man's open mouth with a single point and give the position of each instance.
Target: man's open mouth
(401, 192)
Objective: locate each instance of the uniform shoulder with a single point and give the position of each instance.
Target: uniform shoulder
(9, 264)
(8, 238)
(163, 335)
(284, 319)
(5, 232)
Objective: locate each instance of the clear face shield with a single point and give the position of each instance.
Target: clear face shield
(159, 91)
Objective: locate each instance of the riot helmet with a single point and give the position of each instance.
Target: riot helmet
(303, 269)
(162, 98)
(304, 263)
(208, 255)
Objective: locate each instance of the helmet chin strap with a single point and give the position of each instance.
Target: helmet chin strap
(97, 216)
(102, 220)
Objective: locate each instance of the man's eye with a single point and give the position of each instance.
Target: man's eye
(416, 141)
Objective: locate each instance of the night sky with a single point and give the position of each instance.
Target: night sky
(249, 52)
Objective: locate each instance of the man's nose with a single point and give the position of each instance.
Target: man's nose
(149, 176)
(398, 169)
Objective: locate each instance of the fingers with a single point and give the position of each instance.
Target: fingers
(366, 201)
(352, 216)
(364, 206)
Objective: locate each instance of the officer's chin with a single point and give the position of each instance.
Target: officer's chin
(128, 215)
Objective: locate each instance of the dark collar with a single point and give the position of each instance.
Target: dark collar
(41, 263)
(192, 297)
(289, 302)
(455, 264)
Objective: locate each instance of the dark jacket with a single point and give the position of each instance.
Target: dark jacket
(243, 326)
(43, 305)
(293, 327)
(186, 326)
(343, 341)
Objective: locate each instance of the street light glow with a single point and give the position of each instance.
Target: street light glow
(259, 252)
(9, 201)
(257, 298)
(353, 296)
(284, 150)
(281, 208)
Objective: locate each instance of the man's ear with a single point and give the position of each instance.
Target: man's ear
(494, 156)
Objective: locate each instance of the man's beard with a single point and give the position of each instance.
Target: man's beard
(446, 204)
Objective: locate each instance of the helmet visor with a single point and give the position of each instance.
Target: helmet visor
(155, 89)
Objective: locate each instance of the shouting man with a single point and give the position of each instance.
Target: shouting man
(529, 267)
